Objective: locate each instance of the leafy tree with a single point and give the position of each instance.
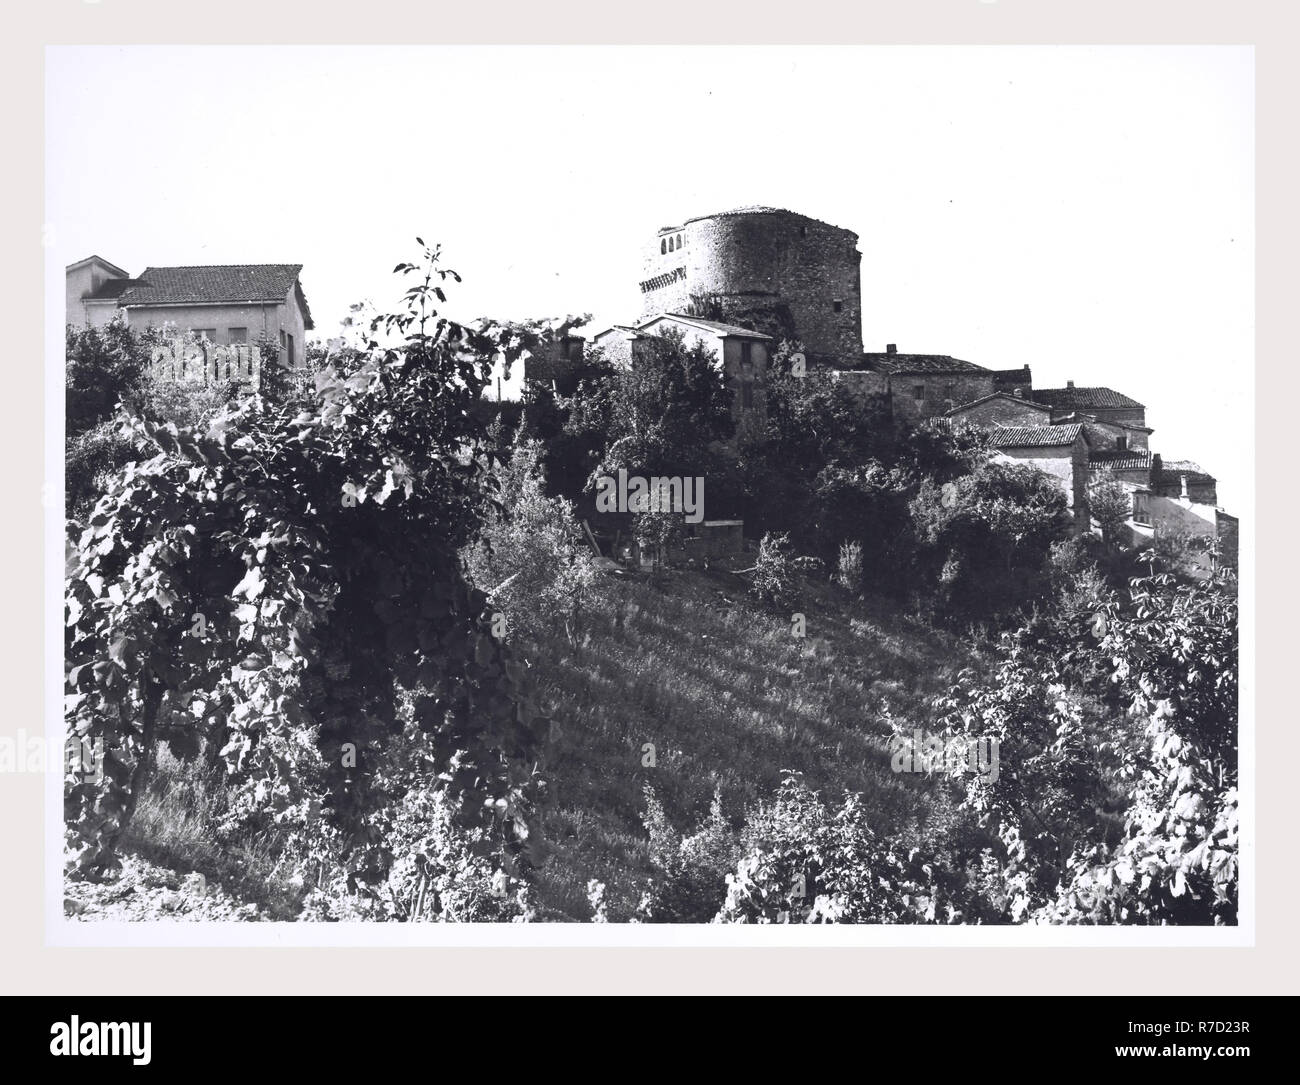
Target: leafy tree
(667, 410)
(1110, 505)
(103, 367)
(282, 582)
(984, 538)
(1117, 719)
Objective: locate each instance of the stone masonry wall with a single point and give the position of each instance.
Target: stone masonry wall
(775, 264)
(937, 392)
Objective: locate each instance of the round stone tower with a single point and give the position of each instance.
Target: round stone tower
(759, 267)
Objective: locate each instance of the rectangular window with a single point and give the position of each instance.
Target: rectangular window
(236, 335)
(918, 392)
(292, 358)
(950, 391)
(746, 354)
(1121, 443)
(837, 305)
(1141, 508)
(210, 334)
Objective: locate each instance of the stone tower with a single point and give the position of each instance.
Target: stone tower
(774, 271)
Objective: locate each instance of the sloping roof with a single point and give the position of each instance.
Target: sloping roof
(920, 363)
(1123, 459)
(627, 329)
(1018, 400)
(1076, 398)
(706, 325)
(96, 260)
(1023, 373)
(1034, 436)
(1083, 416)
(213, 283)
(1171, 470)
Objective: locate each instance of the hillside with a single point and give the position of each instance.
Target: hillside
(729, 699)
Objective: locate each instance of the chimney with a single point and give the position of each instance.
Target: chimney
(1182, 483)
(891, 348)
(1069, 384)
(1018, 392)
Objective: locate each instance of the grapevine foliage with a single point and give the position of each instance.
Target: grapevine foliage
(275, 585)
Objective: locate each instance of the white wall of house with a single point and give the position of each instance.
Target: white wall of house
(224, 323)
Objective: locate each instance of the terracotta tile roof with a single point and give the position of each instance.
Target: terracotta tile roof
(1171, 470)
(920, 363)
(1076, 398)
(1082, 416)
(1123, 459)
(1034, 436)
(234, 283)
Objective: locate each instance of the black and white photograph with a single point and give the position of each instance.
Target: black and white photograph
(622, 494)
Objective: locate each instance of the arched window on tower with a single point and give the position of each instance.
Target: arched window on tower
(679, 241)
(663, 246)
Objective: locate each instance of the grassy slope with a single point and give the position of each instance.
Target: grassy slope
(729, 698)
(714, 680)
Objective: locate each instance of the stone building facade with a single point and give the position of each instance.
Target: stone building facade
(922, 386)
(775, 271)
(1003, 409)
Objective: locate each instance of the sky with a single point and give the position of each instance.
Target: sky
(1088, 211)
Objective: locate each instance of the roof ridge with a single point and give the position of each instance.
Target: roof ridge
(191, 267)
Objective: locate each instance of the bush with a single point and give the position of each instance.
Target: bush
(775, 570)
(689, 886)
(848, 572)
(807, 863)
(531, 557)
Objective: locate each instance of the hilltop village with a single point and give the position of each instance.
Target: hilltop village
(742, 281)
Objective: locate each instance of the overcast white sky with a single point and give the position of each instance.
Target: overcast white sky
(1088, 211)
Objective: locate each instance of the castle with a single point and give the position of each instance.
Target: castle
(742, 281)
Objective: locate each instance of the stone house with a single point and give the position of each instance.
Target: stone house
(1001, 408)
(921, 386)
(1103, 404)
(1120, 436)
(1014, 381)
(229, 304)
(1183, 478)
(1059, 451)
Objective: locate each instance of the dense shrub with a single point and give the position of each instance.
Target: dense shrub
(984, 538)
(1117, 718)
(530, 554)
(690, 869)
(805, 862)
